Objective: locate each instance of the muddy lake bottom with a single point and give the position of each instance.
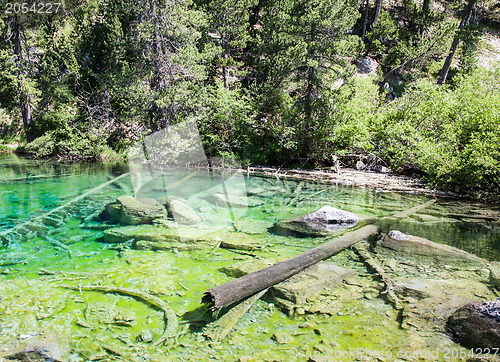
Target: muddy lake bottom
(44, 251)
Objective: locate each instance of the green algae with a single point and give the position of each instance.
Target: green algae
(90, 324)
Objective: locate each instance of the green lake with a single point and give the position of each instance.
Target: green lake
(52, 236)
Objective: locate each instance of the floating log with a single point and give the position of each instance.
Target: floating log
(237, 289)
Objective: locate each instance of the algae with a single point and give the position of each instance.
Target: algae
(352, 313)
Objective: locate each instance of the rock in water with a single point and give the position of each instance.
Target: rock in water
(399, 242)
(476, 325)
(128, 210)
(146, 336)
(320, 223)
(182, 213)
(491, 309)
(331, 215)
(310, 282)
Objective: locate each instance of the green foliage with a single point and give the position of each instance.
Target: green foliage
(69, 146)
(266, 82)
(302, 59)
(227, 126)
(451, 135)
(408, 39)
(469, 49)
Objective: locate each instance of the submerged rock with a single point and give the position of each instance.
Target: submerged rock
(182, 213)
(240, 241)
(36, 347)
(128, 210)
(155, 233)
(283, 338)
(146, 336)
(34, 355)
(252, 227)
(310, 282)
(235, 201)
(413, 245)
(320, 223)
(474, 327)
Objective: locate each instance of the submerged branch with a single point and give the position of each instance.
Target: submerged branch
(171, 323)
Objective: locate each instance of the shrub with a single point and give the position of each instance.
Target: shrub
(452, 135)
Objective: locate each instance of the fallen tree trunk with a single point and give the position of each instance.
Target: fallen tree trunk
(237, 289)
(219, 329)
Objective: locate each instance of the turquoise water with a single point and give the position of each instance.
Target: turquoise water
(45, 249)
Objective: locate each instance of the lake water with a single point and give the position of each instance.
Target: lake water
(43, 250)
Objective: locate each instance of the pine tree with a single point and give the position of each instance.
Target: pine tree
(305, 59)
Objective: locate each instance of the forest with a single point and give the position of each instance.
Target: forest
(268, 82)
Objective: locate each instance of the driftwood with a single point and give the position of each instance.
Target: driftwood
(413, 210)
(387, 223)
(219, 329)
(169, 315)
(237, 289)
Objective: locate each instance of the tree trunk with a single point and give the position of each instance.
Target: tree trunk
(443, 74)
(377, 11)
(23, 95)
(426, 5)
(365, 19)
(237, 289)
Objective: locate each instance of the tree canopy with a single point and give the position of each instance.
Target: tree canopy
(270, 82)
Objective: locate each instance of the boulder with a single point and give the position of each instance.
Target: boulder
(380, 169)
(182, 213)
(360, 165)
(320, 223)
(366, 66)
(129, 210)
(399, 242)
(476, 325)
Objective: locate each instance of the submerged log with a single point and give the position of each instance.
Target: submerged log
(219, 329)
(363, 252)
(237, 289)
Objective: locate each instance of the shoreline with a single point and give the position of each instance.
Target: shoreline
(380, 182)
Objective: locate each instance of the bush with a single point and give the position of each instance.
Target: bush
(69, 146)
(452, 135)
